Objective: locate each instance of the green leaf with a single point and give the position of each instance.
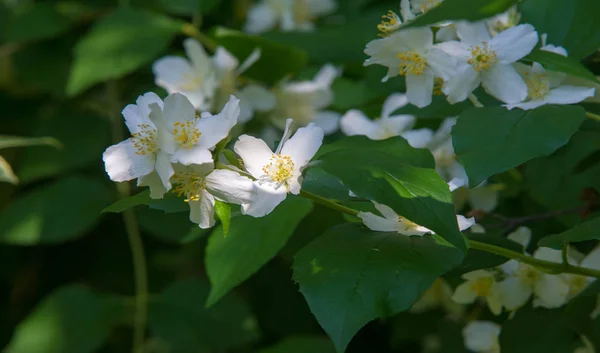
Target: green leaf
(57, 212)
(16, 141)
(418, 194)
(476, 259)
(83, 136)
(571, 24)
(38, 22)
(181, 322)
(462, 10)
(189, 7)
(251, 242)
(302, 344)
(319, 182)
(349, 94)
(174, 228)
(170, 203)
(119, 44)
(556, 62)
(72, 319)
(491, 140)
(223, 212)
(350, 276)
(6, 172)
(276, 60)
(552, 332)
(585, 231)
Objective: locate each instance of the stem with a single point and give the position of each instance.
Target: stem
(475, 101)
(133, 234)
(592, 116)
(328, 203)
(191, 31)
(563, 254)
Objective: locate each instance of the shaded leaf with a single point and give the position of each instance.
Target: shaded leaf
(585, 231)
(462, 10)
(38, 22)
(556, 62)
(302, 344)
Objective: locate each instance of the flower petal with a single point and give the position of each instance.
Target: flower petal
(177, 109)
(521, 235)
(259, 97)
(419, 88)
(139, 113)
(386, 211)
(194, 155)
(463, 294)
(224, 61)
(551, 291)
(250, 60)
(202, 63)
(355, 122)
(172, 72)
(303, 146)
(514, 43)
(122, 163)
(462, 83)
(214, 128)
(261, 18)
(153, 182)
(592, 260)
(393, 103)
(164, 169)
(514, 293)
(418, 138)
(569, 94)
(265, 199)
(327, 75)
(529, 105)
(202, 212)
(254, 153)
(504, 83)
(328, 121)
(464, 223)
(378, 224)
(229, 186)
(472, 33)
(397, 123)
(481, 336)
(442, 64)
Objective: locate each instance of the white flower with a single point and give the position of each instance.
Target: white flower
(187, 138)
(411, 53)
(139, 157)
(488, 61)
(482, 336)
(253, 97)
(279, 172)
(392, 222)
(392, 22)
(552, 48)
(423, 6)
(439, 295)
(544, 87)
(355, 122)
(304, 101)
(503, 21)
(479, 284)
(201, 185)
(290, 15)
(194, 77)
(577, 283)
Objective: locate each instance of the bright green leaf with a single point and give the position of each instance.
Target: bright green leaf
(350, 276)
(251, 242)
(57, 212)
(38, 22)
(223, 212)
(180, 320)
(462, 10)
(16, 141)
(488, 141)
(72, 319)
(119, 44)
(302, 344)
(556, 62)
(585, 231)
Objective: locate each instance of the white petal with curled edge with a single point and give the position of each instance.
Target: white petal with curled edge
(224, 60)
(504, 83)
(378, 224)
(464, 294)
(164, 169)
(265, 199)
(261, 18)
(461, 84)
(481, 336)
(202, 212)
(418, 138)
(514, 43)
(464, 223)
(386, 211)
(569, 94)
(194, 155)
(456, 183)
(303, 146)
(419, 88)
(153, 182)
(122, 163)
(139, 113)
(442, 64)
(355, 122)
(513, 293)
(328, 121)
(393, 103)
(327, 75)
(173, 72)
(229, 186)
(202, 63)
(216, 127)
(472, 33)
(177, 108)
(254, 153)
(551, 291)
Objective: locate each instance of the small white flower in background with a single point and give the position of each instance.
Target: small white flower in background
(194, 76)
(279, 172)
(488, 61)
(140, 156)
(305, 101)
(411, 53)
(290, 15)
(187, 138)
(552, 48)
(392, 222)
(503, 21)
(355, 122)
(479, 284)
(577, 283)
(201, 185)
(391, 21)
(253, 97)
(439, 295)
(482, 336)
(545, 87)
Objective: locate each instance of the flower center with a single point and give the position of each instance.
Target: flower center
(280, 168)
(412, 63)
(482, 286)
(144, 140)
(538, 85)
(301, 10)
(191, 82)
(189, 185)
(529, 275)
(390, 23)
(438, 84)
(482, 57)
(577, 283)
(186, 133)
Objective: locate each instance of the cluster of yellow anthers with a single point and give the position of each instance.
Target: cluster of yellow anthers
(280, 168)
(189, 185)
(482, 286)
(390, 23)
(482, 57)
(438, 84)
(144, 140)
(538, 85)
(186, 133)
(409, 225)
(412, 63)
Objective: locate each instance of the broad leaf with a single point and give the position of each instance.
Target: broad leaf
(223, 213)
(350, 276)
(251, 242)
(170, 203)
(38, 22)
(556, 62)
(178, 318)
(462, 10)
(57, 212)
(491, 140)
(571, 24)
(189, 7)
(302, 344)
(174, 228)
(119, 44)
(276, 60)
(72, 319)
(585, 231)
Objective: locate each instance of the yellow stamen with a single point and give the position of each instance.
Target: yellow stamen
(186, 133)
(482, 286)
(390, 23)
(538, 85)
(412, 63)
(482, 57)
(280, 168)
(529, 275)
(189, 185)
(437, 86)
(144, 140)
